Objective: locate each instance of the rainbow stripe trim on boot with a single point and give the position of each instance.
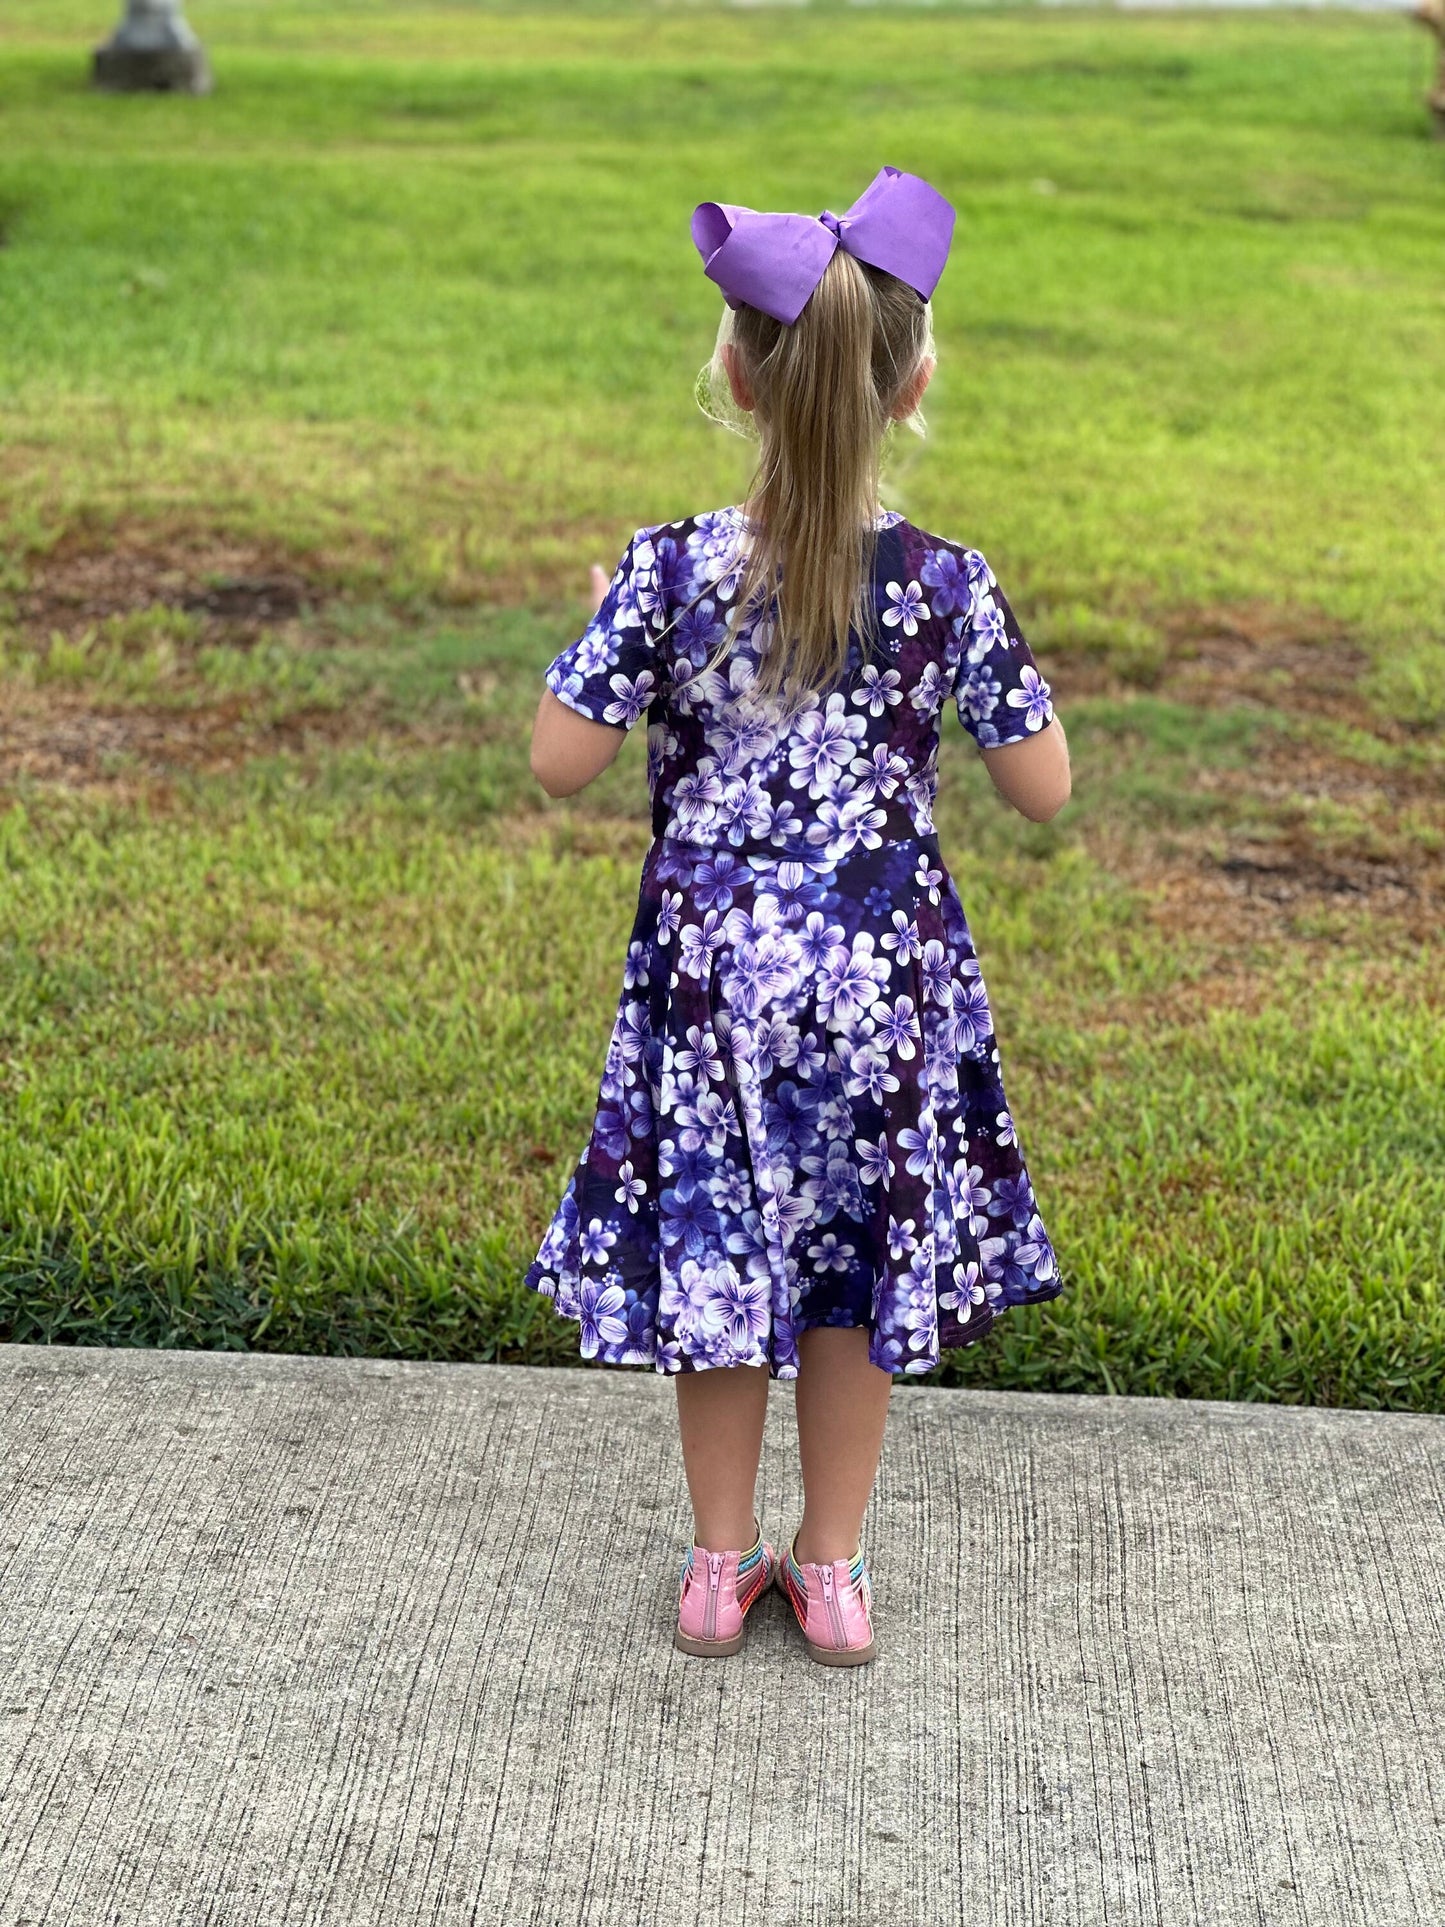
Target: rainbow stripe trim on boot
(716, 1592)
(833, 1604)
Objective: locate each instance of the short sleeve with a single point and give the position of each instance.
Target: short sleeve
(1000, 695)
(612, 672)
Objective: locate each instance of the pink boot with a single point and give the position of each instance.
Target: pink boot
(717, 1590)
(834, 1606)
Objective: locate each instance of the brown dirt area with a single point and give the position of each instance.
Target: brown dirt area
(237, 590)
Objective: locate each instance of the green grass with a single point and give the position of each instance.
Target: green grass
(436, 317)
(305, 989)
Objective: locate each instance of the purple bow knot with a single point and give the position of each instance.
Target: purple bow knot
(774, 261)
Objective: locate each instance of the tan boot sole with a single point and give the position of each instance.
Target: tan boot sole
(842, 1656)
(707, 1648)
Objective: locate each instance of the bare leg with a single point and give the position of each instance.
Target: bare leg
(720, 1416)
(842, 1404)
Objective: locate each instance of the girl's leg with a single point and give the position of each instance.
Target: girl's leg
(842, 1404)
(720, 1416)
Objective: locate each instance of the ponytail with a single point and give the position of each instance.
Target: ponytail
(824, 390)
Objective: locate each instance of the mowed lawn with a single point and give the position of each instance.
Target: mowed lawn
(317, 398)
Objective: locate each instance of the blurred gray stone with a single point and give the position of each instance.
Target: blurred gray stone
(309, 1642)
(153, 49)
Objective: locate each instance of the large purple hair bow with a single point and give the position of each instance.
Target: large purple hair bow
(774, 261)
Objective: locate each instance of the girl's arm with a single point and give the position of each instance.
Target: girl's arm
(1033, 775)
(569, 750)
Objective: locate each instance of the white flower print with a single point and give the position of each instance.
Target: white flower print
(820, 943)
(898, 1027)
(735, 1306)
(830, 1253)
(877, 688)
(824, 744)
(669, 916)
(1032, 696)
(903, 937)
(937, 972)
(874, 1164)
(866, 1073)
(633, 694)
(928, 692)
(596, 1242)
(901, 1239)
(699, 945)
(879, 773)
(700, 1053)
(598, 1306)
(630, 1187)
(852, 980)
(906, 608)
(921, 1145)
(928, 878)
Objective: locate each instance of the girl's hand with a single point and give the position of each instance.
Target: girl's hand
(600, 581)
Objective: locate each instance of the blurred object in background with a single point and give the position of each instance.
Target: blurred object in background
(1431, 14)
(153, 49)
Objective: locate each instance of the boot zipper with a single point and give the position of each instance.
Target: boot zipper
(714, 1575)
(835, 1616)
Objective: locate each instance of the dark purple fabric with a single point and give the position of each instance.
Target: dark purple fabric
(802, 1118)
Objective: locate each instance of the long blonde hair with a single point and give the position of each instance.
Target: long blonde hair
(824, 391)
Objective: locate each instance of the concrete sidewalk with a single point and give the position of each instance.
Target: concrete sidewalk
(317, 1641)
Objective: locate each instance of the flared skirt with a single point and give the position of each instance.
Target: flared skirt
(801, 1122)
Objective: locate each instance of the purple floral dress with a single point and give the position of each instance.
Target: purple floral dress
(802, 1119)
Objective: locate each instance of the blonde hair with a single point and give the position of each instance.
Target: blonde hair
(824, 391)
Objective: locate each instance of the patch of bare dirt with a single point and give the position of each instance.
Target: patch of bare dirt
(67, 739)
(236, 590)
(1253, 658)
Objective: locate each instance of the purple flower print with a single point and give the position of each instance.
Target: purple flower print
(824, 744)
(878, 774)
(851, 981)
(699, 630)
(1013, 1198)
(946, 574)
(688, 1219)
(820, 943)
(989, 629)
(669, 914)
(714, 880)
(979, 693)
(699, 944)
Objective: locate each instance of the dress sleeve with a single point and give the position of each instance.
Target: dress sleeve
(1000, 695)
(612, 672)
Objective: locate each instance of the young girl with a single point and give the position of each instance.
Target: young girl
(803, 1163)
